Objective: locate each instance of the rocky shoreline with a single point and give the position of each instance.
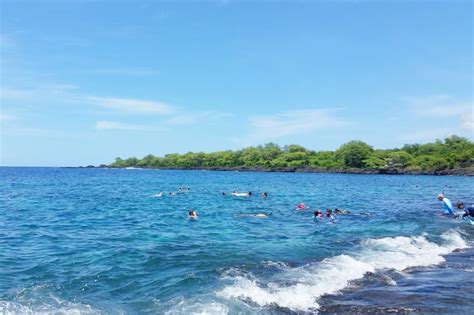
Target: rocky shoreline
(392, 171)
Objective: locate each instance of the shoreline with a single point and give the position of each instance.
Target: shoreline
(394, 171)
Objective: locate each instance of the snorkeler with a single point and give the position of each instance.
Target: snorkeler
(330, 216)
(468, 211)
(192, 214)
(256, 215)
(318, 215)
(242, 194)
(341, 211)
(301, 206)
(447, 205)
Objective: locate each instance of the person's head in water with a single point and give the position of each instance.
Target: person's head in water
(328, 212)
(250, 193)
(192, 213)
(440, 197)
(318, 213)
(460, 205)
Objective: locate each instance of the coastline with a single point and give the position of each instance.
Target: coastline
(393, 171)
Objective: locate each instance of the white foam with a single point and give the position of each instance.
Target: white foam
(39, 300)
(14, 308)
(303, 286)
(212, 308)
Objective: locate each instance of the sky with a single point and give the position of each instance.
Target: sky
(84, 82)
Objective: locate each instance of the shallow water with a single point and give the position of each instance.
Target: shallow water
(97, 241)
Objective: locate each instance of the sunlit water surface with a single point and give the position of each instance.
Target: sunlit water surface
(96, 241)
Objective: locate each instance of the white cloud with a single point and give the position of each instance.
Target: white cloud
(39, 92)
(443, 105)
(15, 93)
(6, 117)
(192, 118)
(113, 125)
(132, 105)
(426, 135)
(293, 122)
(467, 122)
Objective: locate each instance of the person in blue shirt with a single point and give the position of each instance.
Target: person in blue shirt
(448, 206)
(468, 211)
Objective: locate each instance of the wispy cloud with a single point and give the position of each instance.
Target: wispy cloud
(4, 117)
(442, 106)
(192, 118)
(123, 71)
(114, 125)
(426, 135)
(11, 93)
(38, 92)
(132, 105)
(294, 122)
(467, 122)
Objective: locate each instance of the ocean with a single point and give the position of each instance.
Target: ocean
(97, 241)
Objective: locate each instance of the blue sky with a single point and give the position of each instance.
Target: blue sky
(83, 82)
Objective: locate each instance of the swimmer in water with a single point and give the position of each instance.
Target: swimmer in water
(192, 214)
(264, 195)
(242, 194)
(341, 211)
(468, 211)
(447, 205)
(318, 215)
(301, 206)
(257, 215)
(330, 216)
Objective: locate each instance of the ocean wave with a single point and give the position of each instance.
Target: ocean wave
(299, 289)
(63, 308)
(40, 300)
(201, 308)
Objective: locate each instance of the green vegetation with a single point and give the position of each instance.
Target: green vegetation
(452, 153)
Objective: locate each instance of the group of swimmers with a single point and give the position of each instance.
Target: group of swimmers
(181, 189)
(448, 209)
(330, 214)
(318, 215)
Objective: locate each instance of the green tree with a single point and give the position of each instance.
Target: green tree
(400, 158)
(354, 153)
(374, 162)
(430, 163)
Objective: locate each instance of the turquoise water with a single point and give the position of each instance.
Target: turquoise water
(97, 241)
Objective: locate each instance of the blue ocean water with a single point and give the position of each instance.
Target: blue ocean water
(96, 241)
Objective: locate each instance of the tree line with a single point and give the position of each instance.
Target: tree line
(453, 153)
